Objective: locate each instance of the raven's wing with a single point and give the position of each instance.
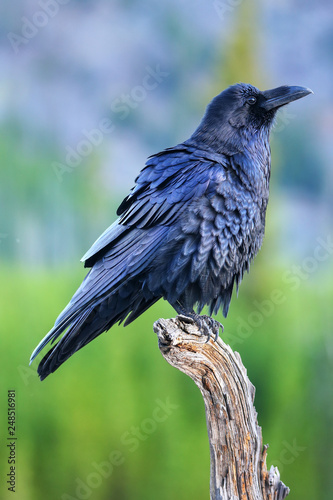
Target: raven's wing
(164, 188)
(122, 263)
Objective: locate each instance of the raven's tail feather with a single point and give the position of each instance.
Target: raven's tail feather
(64, 348)
(86, 326)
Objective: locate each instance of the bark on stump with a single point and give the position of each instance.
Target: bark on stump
(237, 457)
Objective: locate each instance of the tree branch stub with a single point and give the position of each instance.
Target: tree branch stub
(237, 457)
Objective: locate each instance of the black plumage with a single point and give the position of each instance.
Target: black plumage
(187, 231)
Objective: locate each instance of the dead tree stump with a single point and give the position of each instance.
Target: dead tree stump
(237, 457)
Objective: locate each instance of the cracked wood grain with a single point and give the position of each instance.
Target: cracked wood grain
(237, 457)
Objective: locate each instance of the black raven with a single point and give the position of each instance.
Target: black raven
(188, 229)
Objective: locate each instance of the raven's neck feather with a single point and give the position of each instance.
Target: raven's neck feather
(249, 154)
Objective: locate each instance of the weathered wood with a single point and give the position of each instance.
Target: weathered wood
(237, 457)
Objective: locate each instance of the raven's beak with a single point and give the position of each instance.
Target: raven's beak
(275, 98)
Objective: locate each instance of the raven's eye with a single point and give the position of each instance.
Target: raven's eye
(251, 100)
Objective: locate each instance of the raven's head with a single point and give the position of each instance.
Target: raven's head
(242, 112)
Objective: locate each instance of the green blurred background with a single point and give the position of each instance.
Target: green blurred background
(116, 421)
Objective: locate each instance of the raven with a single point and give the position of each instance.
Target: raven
(187, 231)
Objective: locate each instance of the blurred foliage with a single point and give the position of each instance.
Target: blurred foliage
(240, 60)
(71, 423)
(298, 175)
(44, 216)
(71, 426)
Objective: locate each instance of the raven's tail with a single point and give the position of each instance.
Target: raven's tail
(86, 325)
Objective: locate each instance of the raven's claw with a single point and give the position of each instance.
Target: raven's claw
(205, 323)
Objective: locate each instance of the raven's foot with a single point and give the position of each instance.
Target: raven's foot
(205, 323)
